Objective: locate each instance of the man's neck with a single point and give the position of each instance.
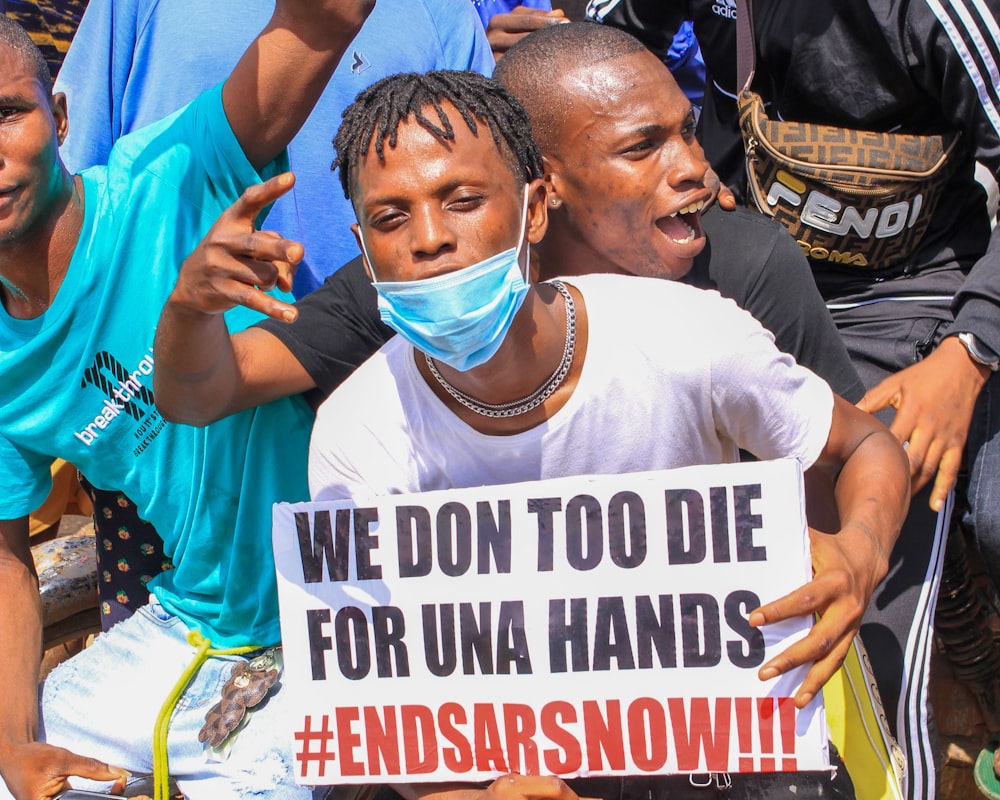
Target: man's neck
(564, 252)
(33, 267)
(529, 355)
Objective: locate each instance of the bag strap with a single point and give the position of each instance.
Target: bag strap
(745, 49)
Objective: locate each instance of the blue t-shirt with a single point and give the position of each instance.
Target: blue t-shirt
(132, 62)
(77, 382)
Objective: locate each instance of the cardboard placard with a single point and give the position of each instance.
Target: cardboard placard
(579, 626)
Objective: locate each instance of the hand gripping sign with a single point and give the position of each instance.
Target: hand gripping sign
(578, 626)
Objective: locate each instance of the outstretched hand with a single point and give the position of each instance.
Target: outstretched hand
(934, 400)
(847, 566)
(506, 30)
(236, 264)
(38, 771)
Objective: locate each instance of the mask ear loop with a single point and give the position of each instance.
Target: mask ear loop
(521, 242)
(364, 252)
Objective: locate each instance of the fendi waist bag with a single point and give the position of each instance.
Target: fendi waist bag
(855, 199)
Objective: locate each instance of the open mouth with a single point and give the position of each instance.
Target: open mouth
(683, 226)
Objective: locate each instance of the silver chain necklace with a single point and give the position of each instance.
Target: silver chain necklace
(514, 408)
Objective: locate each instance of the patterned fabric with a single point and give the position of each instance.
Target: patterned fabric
(801, 174)
(129, 554)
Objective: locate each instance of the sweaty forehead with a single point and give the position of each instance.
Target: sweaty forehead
(16, 55)
(17, 73)
(626, 78)
(427, 140)
(634, 90)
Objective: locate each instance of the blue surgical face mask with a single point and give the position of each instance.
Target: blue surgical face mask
(460, 318)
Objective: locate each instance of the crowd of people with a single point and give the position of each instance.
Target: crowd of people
(546, 216)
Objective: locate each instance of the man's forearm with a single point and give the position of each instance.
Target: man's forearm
(21, 643)
(196, 375)
(872, 519)
(274, 86)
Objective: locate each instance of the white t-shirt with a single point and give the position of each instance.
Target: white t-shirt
(674, 376)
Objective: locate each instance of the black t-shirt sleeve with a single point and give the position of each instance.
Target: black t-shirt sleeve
(338, 328)
(753, 261)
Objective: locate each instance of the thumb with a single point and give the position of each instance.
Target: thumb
(877, 398)
(93, 769)
(726, 198)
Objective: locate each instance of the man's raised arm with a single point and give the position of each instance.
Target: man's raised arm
(267, 98)
(275, 85)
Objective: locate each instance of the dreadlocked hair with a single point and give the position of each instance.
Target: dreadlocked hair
(376, 114)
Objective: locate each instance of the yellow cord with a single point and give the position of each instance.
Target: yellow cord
(161, 765)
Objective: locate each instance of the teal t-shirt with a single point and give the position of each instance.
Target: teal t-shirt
(78, 384)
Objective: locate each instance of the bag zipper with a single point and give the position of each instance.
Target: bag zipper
(752, 142)
(846, 188)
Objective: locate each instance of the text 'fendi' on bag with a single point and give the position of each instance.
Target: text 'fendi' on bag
(853, 198)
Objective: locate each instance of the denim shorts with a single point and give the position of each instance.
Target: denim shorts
(104, 702)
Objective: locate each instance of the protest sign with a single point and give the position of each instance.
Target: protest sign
(578, 626)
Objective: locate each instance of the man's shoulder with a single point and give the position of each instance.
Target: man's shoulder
(388, 369)
(741, 231)
(461, 37)
(190, 160)
(348, 287)
(617, 288)
(656, 316)
(206, 107)
(344, 306)
(742, 246)
(375, 398)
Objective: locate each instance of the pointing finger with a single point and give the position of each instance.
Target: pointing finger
(255, 198)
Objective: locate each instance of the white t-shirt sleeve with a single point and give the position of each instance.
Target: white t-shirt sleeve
(763, 400)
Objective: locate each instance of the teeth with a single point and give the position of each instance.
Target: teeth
(686, 239)
(698, 206)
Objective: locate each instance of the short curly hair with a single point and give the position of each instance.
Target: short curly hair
(376, 114)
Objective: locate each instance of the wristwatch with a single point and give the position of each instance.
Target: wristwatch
(979, 352)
